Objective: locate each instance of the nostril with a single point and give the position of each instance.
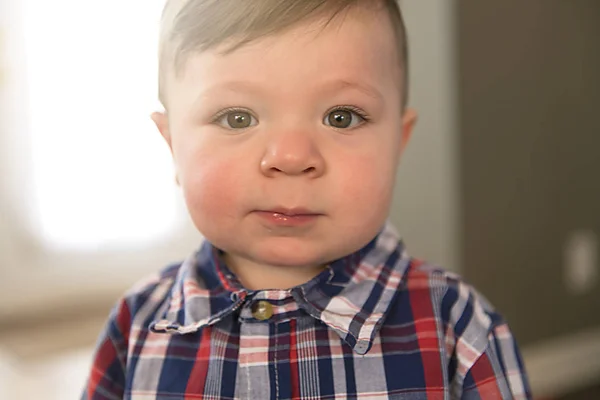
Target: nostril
(309, 170)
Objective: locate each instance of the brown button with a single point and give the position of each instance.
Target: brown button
(262, 310)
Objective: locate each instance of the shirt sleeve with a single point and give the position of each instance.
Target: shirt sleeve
(498, 373)
(106, 379)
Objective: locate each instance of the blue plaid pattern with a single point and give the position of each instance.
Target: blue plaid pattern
(377, 324)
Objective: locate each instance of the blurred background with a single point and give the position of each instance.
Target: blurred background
(500, 184)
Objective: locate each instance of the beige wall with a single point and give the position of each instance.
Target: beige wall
(530, 164)
(530, 154)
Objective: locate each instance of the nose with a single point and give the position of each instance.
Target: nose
(292, 153)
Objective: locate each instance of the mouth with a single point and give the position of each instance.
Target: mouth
(290, 212)
(288, 217)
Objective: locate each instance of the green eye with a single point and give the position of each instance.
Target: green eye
(239, 120)
(235, 119)
(344, 118)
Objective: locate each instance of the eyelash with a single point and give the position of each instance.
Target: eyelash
(228, 110)
(358, 111)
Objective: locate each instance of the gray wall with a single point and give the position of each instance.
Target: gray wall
(426, 204)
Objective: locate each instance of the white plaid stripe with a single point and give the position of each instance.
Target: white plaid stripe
(337, 364)
(308, 356)
(253, 373)
(509, 358)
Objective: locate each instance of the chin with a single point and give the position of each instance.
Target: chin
(303, 254)
(284, 258)
(288, 253)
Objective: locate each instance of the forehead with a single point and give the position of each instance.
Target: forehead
(358, 45)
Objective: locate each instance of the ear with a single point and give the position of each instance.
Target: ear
(409, 120)
(161, 120)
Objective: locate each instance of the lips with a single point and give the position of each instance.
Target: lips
(291, 212)
(287, 217)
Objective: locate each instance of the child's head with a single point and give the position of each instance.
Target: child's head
(286, 120)
(190, 26)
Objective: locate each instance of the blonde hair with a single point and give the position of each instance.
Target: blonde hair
(189, 26)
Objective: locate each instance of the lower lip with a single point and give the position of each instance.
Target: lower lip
(278, 219)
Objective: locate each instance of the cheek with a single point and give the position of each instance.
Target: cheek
(211, 187)
(369, 179)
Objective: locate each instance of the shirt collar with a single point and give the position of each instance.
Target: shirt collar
(352, 296)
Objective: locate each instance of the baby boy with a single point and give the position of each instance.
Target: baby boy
(286, 120)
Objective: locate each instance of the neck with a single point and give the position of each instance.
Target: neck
(256, 276)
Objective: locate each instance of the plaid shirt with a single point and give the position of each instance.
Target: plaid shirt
(374, 325)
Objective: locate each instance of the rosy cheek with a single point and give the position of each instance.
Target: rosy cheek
(367, 182)
(210, 188)
(363, 172)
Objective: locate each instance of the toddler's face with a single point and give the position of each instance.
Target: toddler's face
(286, 148)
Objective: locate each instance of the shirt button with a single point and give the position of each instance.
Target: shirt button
(262, 310)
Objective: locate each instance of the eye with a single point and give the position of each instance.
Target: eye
(345, 118)
(235, 119)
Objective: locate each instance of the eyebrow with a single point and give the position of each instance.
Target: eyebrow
(335, 85)
(364, 88)
(244, 86)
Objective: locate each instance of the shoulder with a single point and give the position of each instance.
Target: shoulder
(479, 347)
(152, 287)
(144, 300)
(465, 320)
(125, 322)
(458, 303)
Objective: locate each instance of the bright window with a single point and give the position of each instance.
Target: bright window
(102, 176)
